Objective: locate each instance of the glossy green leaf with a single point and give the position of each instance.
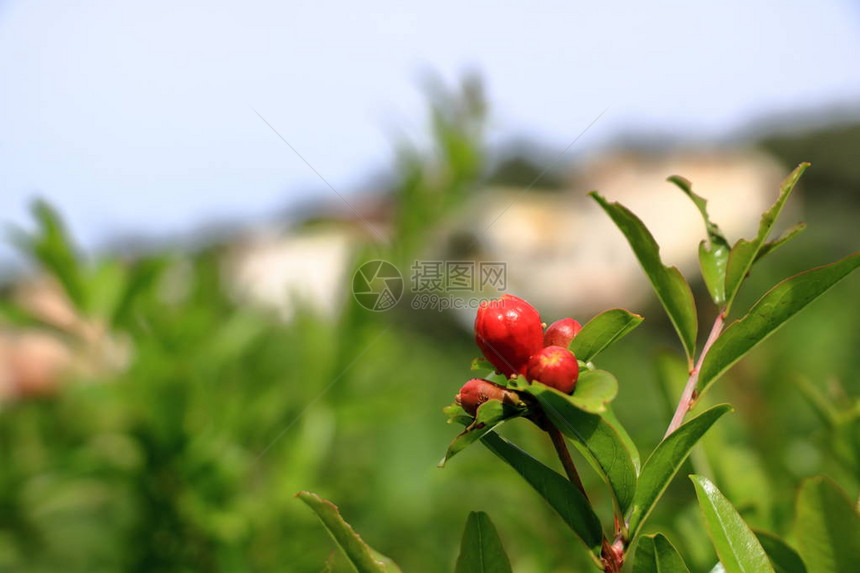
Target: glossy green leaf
(561, 495)
(782, 556)
(665, 461)
(788, 235)
(744, 253)
(595, 438)
(671, 288)
(610, 418)
(737, 546)
(490, 414)
(594, 390)
(770, 312)
(602, 331)
(481, 550)
(359, 553)
(713, 253)
(482, 364)
(655, 554)
(827, 527)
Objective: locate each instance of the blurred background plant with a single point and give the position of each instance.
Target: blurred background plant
(159, 413)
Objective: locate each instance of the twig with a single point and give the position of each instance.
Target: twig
(564, 456)
(689, 394)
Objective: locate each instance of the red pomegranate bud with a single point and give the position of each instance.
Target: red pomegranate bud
(554, 366)
(508, 331)
(477, 391)
(561, 332)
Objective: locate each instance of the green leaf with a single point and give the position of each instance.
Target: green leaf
(602, 331)
(52, 247)
(669, 284)
(665, 461)
(481, 550)
(782, 556)
(599, 442)
(737, 546)
(770, 312)
(788, 235)
(827, 527)
(610, 418)
(594, 390)
(482, 364)
(713, 254)
(561, 495)
(655, 554)
(490, 414)
(744, 253)
(359, 553)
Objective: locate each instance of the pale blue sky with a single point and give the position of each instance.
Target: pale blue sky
(137, 116)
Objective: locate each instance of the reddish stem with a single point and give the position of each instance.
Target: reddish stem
(689, 394)
(564, 456)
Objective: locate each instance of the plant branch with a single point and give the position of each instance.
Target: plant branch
(564, 456)
(689, 395)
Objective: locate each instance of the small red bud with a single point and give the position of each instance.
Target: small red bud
(477, 391)
(561, 332)
(554, 366)
(508, 331)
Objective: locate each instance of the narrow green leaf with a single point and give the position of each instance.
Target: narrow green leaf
(602, 331)
(788, 235)
(770, 312)
(655, 554)
(671, 288)
(782, 556)
(490, 414)
(744, 253)
(827, 527)
(594, 390)
(665, 461)
(713, 254)
(737, 546)
(599, 442)
(561, 495)
(481, 550)
(359, 553)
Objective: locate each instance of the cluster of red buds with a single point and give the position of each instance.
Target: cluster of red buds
(512, 338)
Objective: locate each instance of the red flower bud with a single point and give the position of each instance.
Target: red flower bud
(561, 332)
(556, 367)
(477, 391)
(508, 331)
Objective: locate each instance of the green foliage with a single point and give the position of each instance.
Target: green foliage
(736, 544)
(563, 496)
(671, 287)
(481, 549)
(771, 311)
(602, 331)
(782, 556)
(359, 553)
(713, 253)
(655, 554)
(490, 415)
(665, 461)
(744, 253)
(827, 527)
(598, 440)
